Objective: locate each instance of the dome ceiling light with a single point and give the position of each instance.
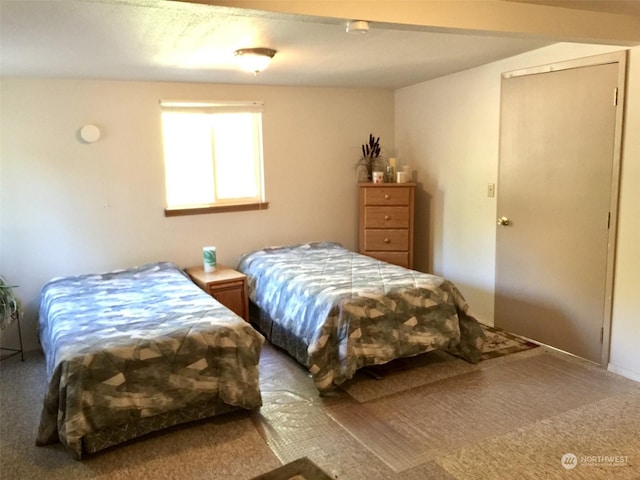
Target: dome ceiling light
(254, 60)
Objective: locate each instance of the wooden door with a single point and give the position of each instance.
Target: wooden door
(559, 140)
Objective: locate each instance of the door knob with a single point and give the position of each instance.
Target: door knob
(504, 221)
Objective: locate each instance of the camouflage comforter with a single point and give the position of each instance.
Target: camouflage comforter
(133, 351)
(336, 311)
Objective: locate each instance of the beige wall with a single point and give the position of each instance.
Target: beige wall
(448, 128)
(68, 207)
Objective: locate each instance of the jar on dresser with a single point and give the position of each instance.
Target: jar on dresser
(386, 222)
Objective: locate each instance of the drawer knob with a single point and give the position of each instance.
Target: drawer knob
(386, 240)
(387, 217)
(387, 196)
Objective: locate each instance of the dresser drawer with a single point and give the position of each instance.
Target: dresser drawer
(232, 295)
(387, 196)
(397, 258)
(386, 217)
(387, 240)
(224, 287)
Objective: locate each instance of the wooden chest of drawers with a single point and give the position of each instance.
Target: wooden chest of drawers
(386, 222)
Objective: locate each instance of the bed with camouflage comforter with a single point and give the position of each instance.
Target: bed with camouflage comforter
(336, 311)
(134, 351)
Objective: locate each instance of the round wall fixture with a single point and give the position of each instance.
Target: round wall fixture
(90, 133)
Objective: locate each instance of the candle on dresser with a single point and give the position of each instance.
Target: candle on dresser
(392, 173)
(209, 258)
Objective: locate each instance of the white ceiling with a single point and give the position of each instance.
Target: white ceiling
(178, 41)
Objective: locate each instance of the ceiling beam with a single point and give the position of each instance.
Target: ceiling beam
(494, 17)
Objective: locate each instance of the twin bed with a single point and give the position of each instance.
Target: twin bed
(336, 311)
(135, 351)
(139, 350)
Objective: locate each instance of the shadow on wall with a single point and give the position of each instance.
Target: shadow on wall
(422, 244)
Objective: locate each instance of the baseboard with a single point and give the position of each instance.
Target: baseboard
(624, 372)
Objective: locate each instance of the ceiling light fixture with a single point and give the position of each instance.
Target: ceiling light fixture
(357, 26)
(254, 60)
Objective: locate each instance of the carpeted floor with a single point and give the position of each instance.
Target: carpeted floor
(430, 417)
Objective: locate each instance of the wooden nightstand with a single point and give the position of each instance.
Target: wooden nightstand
(226, 285)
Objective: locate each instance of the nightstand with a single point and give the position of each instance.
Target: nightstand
(226, 285)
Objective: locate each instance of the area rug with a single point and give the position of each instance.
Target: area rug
(500, 342)
(301, 469)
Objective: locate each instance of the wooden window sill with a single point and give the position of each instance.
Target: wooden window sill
(176, 212)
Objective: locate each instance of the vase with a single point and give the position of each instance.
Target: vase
(370, 172)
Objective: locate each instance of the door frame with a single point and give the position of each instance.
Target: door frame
(619, 58)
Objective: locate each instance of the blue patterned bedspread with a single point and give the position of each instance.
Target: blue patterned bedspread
(134, 344)
(336, 311)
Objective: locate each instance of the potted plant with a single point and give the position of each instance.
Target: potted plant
(371, 159)
(9, 304)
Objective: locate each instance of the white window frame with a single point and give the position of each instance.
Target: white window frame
(215, 203)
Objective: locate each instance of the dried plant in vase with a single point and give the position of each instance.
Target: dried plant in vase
(371, 159)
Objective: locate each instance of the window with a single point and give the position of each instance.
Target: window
(212, 156)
